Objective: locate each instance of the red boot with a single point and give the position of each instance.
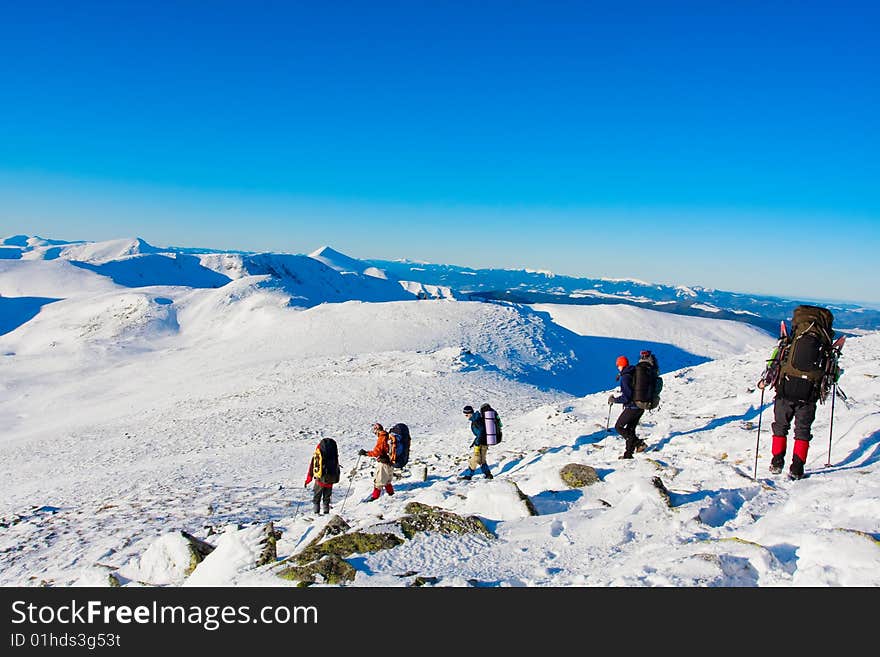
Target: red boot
(801, 447)
(777, 449)
(375, 495)
(389, 488)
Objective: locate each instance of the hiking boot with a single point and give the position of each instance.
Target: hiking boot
(327, 510)
(389, 489)
(796, 471)
(625, 455)
(316, 509)
(489, 475)
(775, 469)
(641, 446)
(465, 477)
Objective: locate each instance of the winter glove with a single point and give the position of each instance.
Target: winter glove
(362, 452)
(611, 400)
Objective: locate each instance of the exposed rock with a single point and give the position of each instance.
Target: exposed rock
(325, 558)
(859, 532)
(658, 484)
(200, 547)
(526, 500)
(332, 568)
(424, 518)
(347, 544)
(269, 554)
(577, 475)
(335, 525)
(421, 581)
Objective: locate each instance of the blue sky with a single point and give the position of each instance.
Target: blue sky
(670, 142)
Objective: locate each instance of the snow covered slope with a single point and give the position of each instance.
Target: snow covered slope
(214, 440)
(132, 413)
(707, 337)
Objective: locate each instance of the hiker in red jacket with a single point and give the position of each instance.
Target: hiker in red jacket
(384, 469)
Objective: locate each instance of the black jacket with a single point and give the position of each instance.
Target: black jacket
(626, 387)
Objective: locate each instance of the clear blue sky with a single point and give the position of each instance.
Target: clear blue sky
(667, 141)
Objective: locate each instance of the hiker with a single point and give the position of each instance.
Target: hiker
(384, 469)
(324, 474)
(801, 369)
(631, 414)
(803, 412)
(479, 446)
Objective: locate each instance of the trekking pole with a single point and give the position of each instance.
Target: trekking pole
(831, 428)
(298, 507)
(758, 440)
(350, 482)
(608, 421)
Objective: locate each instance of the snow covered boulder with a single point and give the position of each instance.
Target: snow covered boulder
(168, 561)
(499, 500)
(237, 551)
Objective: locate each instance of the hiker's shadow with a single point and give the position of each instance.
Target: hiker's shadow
(750, 413)
(412, 484)
(523, 461)
(867, 452)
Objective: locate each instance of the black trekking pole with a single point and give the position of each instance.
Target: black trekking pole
(608, 421)
(831, 428)
(298, 505)
(758, 440)
(350, 482)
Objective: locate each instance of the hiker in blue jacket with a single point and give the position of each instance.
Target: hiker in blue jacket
(631, 414)
(479, 447)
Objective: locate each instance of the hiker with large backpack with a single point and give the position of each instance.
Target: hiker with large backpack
(646, 381)
(802, 369)
(384, 468)
(631, 414)
(479, 445)
(398, 445)
(324, 470)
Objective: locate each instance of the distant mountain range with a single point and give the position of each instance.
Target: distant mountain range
(327, 275)
(529, 287)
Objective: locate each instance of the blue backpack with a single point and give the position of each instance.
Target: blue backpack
(398, 445)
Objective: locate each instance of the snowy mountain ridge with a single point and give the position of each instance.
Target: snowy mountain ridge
(185, 266)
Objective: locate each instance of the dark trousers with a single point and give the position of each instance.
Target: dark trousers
(803, 413)
(626, 427)
(320, 493)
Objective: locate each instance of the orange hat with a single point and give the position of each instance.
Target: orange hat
(622, 361)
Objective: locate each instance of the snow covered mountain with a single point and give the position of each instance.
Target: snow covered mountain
(124, 261)
(138, 419)
(524, 286)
